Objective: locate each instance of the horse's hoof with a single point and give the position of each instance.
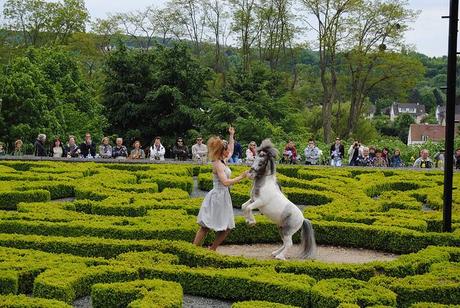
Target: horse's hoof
(251, 223)
(278, 257)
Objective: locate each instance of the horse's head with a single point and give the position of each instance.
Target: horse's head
(264, 163)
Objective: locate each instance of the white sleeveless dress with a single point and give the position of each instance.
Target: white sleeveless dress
(216, 212)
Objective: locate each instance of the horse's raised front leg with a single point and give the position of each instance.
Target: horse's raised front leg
(247, 211)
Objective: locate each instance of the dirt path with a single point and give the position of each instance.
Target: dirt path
(329, 254)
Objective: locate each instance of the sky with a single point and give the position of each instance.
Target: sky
(428, 35)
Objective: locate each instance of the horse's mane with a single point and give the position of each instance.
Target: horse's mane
(267, 147)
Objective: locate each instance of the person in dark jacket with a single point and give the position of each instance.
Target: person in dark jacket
(180, 150)
(88, 148)
(40, 149)
(337, 152)
(119, 151)
(237, 153)
(396, 160)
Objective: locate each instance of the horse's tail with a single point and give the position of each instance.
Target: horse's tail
(308, 242)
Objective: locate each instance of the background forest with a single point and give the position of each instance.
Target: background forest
(282, 69)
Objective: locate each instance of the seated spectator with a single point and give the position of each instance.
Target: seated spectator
(57, 149)
(379, 161)
(386, 155)
(237, 155)
(396, 160)
(423, 161)
(18, 148)
(2, 149)
(251, 152)
(157, 150)
(290, 153)
(372, 152)
(354, 152)
(119, 151)
(180, 150)
(312, 153)
(72, 149)
(365, 160)
(137, 152)
(200, 151)
(439, 159)
(39, 146)
(88, 148)
(457, 158)
(105, 149)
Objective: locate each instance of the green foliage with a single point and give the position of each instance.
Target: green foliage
(154, 93)
(44, 92)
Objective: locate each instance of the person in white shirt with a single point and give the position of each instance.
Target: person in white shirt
(200, 151)
(157, 150)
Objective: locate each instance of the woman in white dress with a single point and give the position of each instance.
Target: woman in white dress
(216, 212)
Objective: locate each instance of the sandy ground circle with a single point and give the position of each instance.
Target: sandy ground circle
(329, 254)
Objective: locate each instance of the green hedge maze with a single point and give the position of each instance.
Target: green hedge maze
(121, 233)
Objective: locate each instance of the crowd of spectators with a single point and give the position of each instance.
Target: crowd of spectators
(358, 154)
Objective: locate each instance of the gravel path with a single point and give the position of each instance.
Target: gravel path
(188, 302)
(197, 193)
(329, 254)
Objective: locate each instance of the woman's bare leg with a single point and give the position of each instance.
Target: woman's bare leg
(221, 235)
(200, 235)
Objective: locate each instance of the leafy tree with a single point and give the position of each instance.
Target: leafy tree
(41, 22)
(159, 92)
(44, 92)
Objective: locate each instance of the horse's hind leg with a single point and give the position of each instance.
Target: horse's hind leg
(287, 240)
(276, 252)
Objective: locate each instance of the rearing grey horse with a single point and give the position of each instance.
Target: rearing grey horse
(266, 196)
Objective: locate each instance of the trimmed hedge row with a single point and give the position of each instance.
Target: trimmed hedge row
(22, 301)
(330, 293)
(234, 284)
(138, 293)
(260, 304)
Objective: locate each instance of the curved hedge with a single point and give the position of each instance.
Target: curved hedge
(130, 223)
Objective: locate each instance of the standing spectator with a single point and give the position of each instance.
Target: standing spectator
(157, 150)
(200, 151)
(365, 160)
(290, 153)
(337, 152)
(354, 152)
(457, 158)
(180, 150)
(396, 160)
(88, 148)
(2, 149)
(39, 146)
(119, 151)
(57, 149)
(137, 152)
(439, 159)
(18, 148)
(312, 153)
(424, 160)
(105, 149)
(73, 151)
(379, 161)
(251, 152)
(237, 153)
